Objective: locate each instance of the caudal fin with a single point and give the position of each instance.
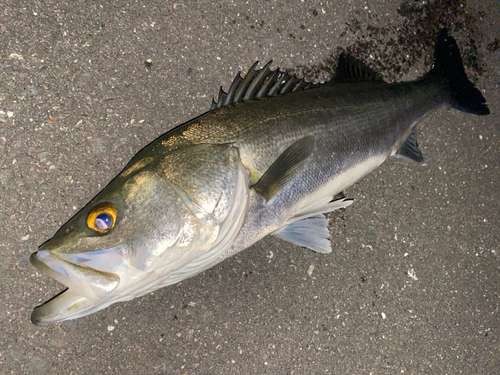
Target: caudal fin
(448, 69)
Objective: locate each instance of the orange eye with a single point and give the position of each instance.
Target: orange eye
(102, 218)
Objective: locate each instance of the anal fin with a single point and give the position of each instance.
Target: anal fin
(410, 150)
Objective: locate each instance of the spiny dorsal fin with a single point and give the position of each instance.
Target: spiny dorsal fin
(258, 84)
(351, 69)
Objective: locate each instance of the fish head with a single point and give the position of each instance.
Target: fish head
(140, 233)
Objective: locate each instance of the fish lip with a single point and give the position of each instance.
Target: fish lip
(88, 290)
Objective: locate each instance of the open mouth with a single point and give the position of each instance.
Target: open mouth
(87, 288)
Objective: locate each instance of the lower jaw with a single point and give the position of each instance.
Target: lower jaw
(66, 305)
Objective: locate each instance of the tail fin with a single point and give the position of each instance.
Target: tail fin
(448, 69)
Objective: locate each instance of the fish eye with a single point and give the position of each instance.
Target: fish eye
(103, 221)
(102, 218)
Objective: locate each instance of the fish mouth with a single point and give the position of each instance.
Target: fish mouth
(88, 288)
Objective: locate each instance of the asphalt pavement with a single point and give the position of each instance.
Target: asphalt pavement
(413, 283)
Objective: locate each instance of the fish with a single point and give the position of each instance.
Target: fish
(268, 158)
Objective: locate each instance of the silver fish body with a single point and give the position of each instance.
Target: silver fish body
(267, 159)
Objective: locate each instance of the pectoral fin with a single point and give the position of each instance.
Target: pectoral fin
(284, 168)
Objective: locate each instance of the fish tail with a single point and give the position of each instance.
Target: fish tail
(448, 70)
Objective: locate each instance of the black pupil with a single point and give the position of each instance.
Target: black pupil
(103, 221)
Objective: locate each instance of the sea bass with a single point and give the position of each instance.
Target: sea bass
(268, 158)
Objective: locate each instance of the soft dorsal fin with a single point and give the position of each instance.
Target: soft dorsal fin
(284, 167)
(258, 84)
(351, 69)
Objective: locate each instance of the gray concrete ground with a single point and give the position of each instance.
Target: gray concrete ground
(412, 285)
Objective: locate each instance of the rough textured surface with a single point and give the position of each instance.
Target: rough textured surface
(412, 284)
